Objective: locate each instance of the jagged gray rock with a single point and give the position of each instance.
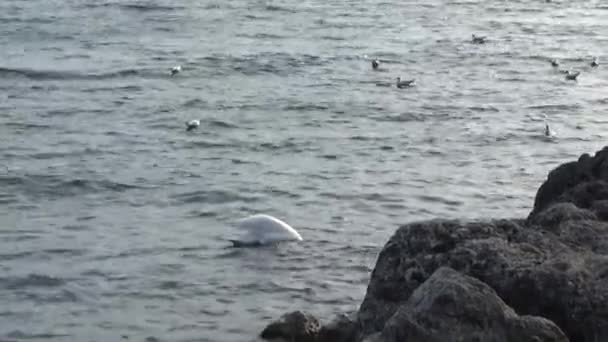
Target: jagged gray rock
(341, 329)
(580, 182)
(295, 326)
(451, 307)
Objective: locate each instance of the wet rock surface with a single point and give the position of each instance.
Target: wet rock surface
(295, 326)
(450, 306)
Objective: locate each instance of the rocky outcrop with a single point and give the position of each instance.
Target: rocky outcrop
(298, 326)
(295, 326)
(553, 265)
(341, 329)
(582, 183)
(558, 272)
(451, 307)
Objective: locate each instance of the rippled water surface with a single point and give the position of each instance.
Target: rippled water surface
(115, 219)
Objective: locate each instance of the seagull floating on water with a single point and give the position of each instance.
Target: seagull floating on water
(192, 124)
(572, 75)
(554, 63)
(595, 62)
(375, 64)
(549, 134)
(404, 83)
(176, 69)
(264, 229)
(479, 39)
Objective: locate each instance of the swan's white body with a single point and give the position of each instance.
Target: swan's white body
(264, 229)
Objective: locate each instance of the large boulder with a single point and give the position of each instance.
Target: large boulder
(451, 307)
(557, 273)
(581, 182)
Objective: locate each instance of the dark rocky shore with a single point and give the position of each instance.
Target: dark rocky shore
(543, 278)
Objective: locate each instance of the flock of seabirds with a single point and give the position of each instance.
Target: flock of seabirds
(262, 229)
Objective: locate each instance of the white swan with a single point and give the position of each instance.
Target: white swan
(264, 229)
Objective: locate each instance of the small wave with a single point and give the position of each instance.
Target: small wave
(282, 193)
(262, 36)
(437, 199)
(305, 107)
(213, 196)
(15, 256)
(558, 108)
(250, 16)
(207, 144)
(334, 38)
(45, 75)
(57, 186)
(194, 103)
(276, 8)
(219, 313)
(268, 62)
(64, 251)
(126, 89)
(221, 124)
(26, 125)
(286, 146)
(31, 280)
(404, 117)
(149, 7)
(22, 335)
(170, 285)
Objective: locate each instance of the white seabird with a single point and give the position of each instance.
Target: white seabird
(404, 83)
(479, 39)
(375, 64)
(176, 69)
(595, 62)
(549, 134)
(192, 124)
(264, 229)
(554, 63)
(572, 75)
